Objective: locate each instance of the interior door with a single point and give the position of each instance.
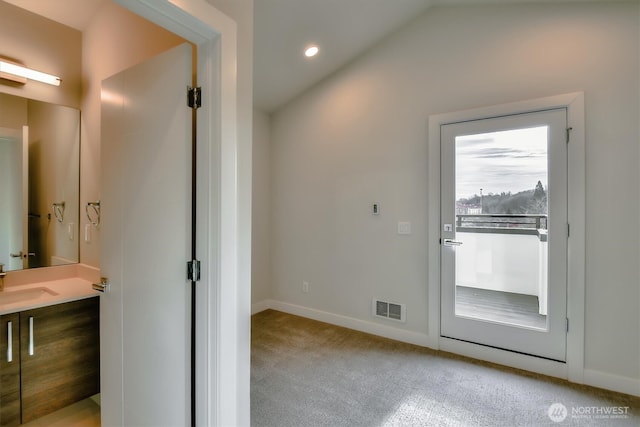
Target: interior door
(504, 232)
(14, 185)
(146, 241)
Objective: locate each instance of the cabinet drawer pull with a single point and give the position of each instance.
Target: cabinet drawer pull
(31, 350)
(9, 342)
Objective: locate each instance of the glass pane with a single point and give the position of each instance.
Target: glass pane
(501, 220)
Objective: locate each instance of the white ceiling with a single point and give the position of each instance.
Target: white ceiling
(343, 29)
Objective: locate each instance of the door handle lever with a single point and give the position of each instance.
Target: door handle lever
(103, 286)
(451, 242)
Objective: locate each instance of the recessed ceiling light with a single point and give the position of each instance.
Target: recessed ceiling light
(311, 51)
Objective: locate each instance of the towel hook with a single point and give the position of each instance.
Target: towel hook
(93, 213)
(58, 211)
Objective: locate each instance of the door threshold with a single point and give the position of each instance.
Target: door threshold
(539, 365)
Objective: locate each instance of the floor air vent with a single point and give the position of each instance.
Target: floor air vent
(389, 310)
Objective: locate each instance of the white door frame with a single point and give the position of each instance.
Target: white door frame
(220, 397)
(550, 342)
(574, 367)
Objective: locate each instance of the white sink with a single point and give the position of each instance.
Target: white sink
(26, 295)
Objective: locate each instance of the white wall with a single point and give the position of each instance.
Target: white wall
(43, 45)
(261, 209)
(361, 136)
(499, 262)
(13, 111)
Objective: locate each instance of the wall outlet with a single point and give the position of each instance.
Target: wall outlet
(305, 287)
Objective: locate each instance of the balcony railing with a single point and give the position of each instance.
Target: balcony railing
(502, 224)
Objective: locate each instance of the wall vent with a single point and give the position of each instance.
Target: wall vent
(389, 310)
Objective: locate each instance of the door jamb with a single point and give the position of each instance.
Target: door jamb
(215, 36)
(574, 103)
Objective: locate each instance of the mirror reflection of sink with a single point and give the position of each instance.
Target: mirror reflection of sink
(25, 295)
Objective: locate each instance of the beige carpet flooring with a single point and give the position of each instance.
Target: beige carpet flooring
(308, 373)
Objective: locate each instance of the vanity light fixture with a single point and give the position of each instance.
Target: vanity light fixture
(20, 74)
(311, 51)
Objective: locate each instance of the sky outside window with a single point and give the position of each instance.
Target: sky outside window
(506, 161)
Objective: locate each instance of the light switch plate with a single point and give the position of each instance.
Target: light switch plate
(87, 233)
(404, 227)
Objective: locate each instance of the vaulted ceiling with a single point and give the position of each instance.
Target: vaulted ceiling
(342, 29)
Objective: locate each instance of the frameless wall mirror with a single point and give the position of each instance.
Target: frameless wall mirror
(39, 183)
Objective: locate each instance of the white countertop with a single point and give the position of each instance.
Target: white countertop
(55, 292)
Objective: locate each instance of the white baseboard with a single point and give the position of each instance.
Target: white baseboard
(260, 306)
(612, 382)
(402, 335)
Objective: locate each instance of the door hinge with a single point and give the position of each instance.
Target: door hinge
(194, 97)
(567, 324)
(569, 134)
(568, 230)
(193, 270)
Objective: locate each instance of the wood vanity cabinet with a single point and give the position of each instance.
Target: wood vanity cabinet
(10, 370)
(57, 349)
(60, 353)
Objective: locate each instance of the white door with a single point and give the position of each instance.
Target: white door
(504, 232)
(14, 186)
(146, 238)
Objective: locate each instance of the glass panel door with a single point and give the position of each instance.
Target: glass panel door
(501, 273)
(503, 205)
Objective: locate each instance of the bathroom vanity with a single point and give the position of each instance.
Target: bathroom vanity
(49, 348)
